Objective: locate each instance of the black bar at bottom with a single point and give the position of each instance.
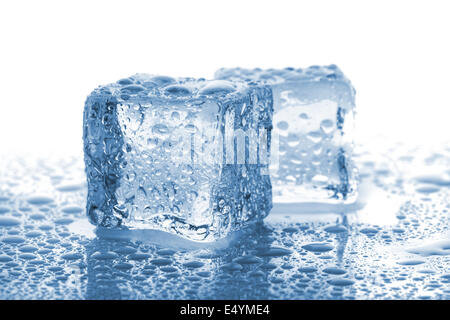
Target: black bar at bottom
(221, 309)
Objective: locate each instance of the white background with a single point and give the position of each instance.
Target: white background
(53, 53)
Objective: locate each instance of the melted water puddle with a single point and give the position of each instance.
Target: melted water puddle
(393, 246)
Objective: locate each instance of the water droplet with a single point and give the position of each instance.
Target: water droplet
(335, 229)
(4, 210)
(232, 267)
(177, 90)
(369, 231)
(8, 222)
(318, 247)
(334, 270)
(190, 128)
(412, 262)
(28, 248)
(166, 252)
(307, 269)
(63, 221)
(125, 250)
(168, 269)
(282, 125)
(123, 266)
(314, 136)
(104, 255)
(33, 234)
(72, 256)
(175, 116)
(132, 89)
(39, 200)
(5, 258)
(193, 264)
(13, 239)
(125, 81)
(161, 262)
(37, 216)
(163, 80)
(304, 116)
(327, 126)
(70, 187)
(138, 256)
(27, 256)
(71, 209)
(160, 129)
(217, 87)
(274, 252)
(341, 282)
(248, 259)
(427, 190)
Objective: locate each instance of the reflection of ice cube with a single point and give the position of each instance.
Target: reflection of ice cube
(181, 155)
(313, 119)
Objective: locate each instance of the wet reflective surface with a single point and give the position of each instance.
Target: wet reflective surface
(393, 244)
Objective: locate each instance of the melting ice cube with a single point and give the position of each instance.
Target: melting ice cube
(181, 155)
(312, 137)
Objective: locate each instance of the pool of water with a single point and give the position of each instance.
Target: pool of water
(393, 244)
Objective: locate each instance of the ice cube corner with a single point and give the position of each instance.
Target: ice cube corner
(162, 153)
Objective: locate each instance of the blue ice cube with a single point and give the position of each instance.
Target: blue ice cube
(185, 156)
(313, 121)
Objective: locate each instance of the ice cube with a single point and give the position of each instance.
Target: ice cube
(313, 121)
(185, 156)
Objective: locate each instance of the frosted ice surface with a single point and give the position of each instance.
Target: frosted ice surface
(183, 155)
(313, 120)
